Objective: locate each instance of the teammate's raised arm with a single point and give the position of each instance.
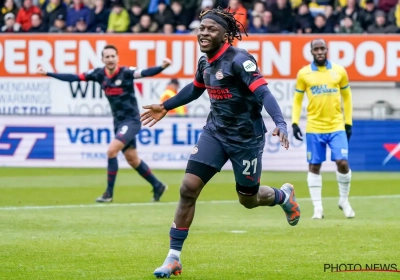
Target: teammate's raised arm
(152, 71)
(61, 77)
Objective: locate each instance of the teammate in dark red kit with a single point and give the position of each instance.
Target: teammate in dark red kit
(117, 83)
(234, 130)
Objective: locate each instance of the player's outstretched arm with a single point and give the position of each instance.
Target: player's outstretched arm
(156, 112)
(186, 95)
(61, 77)
(152, 71)
(273, 109)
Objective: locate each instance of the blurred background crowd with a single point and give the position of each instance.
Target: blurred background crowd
(182, 16)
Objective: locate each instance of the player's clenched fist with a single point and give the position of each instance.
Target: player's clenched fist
(166, 62)
(153, 114)
(40, 71)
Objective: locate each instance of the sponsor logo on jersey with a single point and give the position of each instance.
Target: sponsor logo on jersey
(249, 66)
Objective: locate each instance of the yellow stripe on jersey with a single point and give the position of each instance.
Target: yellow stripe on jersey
(325, 87)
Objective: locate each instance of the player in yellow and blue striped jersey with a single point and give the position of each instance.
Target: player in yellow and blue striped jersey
(326, 84)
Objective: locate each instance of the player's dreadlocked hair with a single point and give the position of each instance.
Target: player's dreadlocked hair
(227, 20)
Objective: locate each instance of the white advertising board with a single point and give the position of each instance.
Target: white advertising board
(32, 96)
(44, 141)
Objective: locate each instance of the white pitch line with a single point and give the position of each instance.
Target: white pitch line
(10, 208)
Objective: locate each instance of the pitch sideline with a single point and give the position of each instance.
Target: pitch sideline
(14, 208)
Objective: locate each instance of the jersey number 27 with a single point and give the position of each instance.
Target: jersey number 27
(248, 164)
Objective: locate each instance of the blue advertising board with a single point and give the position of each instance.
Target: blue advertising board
(375, 145)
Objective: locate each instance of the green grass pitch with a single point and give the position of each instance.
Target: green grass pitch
(50, 228)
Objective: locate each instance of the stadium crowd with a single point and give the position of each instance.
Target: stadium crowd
(181, 16)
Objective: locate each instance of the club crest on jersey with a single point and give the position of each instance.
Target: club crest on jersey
(219, 75)
(195, 150)
(249, 66)
(118, 82)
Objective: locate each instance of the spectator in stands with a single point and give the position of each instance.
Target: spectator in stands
(168, 28)
(78, 12)
(60, 25)
(181, 18)
(319, 24)
(317, 7)
(146, 25)
(283, 16)
(258, 9)
(52, 11)
(24, 16)
(81, 26)
(295, 4)
(153, 5)
(194, 27)
(351, 10)
(349, 26)
(37, 25)
(189, 7)
(332, 20)
(381, 26)
(135, 13)
(241, 16)
(394, 15)
(8, 7)
(257, 26)
(163, 15)
(386, 5)
(142, 4)
(206, 5)
(303, 20)
(100, 19)
(119, 21)
(268, 22)
(10, 26)
(367, 16)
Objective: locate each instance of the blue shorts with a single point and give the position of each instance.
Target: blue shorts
(246, 162)
(316, 146)
(126, 133)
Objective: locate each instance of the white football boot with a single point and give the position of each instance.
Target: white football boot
(346, 208)
(318, 214)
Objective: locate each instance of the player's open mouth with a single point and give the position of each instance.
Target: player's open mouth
(204, 43)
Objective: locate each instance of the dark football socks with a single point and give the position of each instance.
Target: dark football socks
(112, 171)
(146, 173)
(177, 237)
(279, 197)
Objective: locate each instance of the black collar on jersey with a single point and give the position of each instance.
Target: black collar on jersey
(219, 53)
(217, 19)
